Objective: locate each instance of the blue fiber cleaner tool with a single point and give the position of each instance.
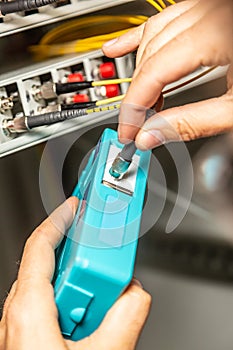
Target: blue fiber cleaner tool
(95, 261)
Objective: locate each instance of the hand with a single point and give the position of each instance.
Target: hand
(171, 45)
(30, 318)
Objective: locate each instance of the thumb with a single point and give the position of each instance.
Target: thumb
(123, 323)
(188, 122)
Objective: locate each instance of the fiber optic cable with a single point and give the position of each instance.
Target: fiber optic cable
(23, 124)
(155, 5)
(26, 123)
(88, 33)
(96, 103)
(111, 81)
(50, 90)
(84, 34)
(88, 26)
(171, 2)
(121, 97)
(198, 76)
(162, 4)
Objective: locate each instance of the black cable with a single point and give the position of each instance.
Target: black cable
(64, 88)
(22, 5)
(53, 117)
(128, 151)
(26, 123)
(79, 105)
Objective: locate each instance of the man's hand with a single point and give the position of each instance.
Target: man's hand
(171, 45)
(30, 318)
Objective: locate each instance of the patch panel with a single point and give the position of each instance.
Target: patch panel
(63, 9)
(27, 83)
(23, 87)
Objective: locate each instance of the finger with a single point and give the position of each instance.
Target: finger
(188, 51)
(122, 325)
(2, 339)
(133, 38)
(132, 118)
(230, 77)
(208, 17)
(124, 44)
(163, 27)
(38, 257)
(192, 121)
(32, 310)
(8, 300)
(36, 270)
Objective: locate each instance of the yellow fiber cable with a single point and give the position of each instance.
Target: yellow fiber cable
(109, 100)
(111, 81)
(59, 41)
(77, 46)
(162, 4)
(88, 22)
(88, 33)
(172, 2)
(155, 5)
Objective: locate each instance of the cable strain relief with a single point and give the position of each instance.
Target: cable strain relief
(64, 88)
(73, 113)
(54, 117)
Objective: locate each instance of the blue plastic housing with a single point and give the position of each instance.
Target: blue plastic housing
(95, 262)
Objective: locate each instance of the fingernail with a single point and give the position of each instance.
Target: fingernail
(136, 282)
(124, 140)
(150, 139)
(110, 42)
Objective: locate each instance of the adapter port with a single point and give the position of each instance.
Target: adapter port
(9, 100)
(6, 103)
(5, 134)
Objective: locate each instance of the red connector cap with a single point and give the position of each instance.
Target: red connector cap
(112, 90)
(80, 98)
(107, 70)
(75, 77)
